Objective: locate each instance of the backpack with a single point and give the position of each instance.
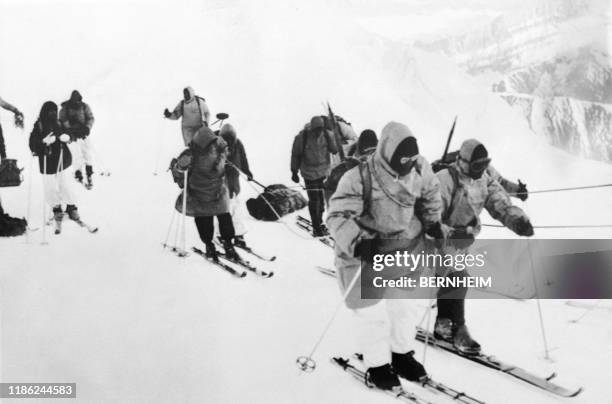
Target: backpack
(11, 226)
(10, 174)
(179, 165)
(276, 201)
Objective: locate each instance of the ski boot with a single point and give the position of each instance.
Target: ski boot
(463, 342)
(383, 377)
(211, 252)
(58, 216)
(230, 251)
(73, 213)
(78, 175)
(89, 173)
(239, 242)
(407, 367)
(443, 329)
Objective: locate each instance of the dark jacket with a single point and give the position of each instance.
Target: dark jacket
(310, 153)
(76, 115)
(39, 132)
(237, 157)
(207, 193)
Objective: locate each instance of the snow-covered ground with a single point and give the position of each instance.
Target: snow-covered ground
(131, 323)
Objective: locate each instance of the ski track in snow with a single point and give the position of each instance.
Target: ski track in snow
(130, 322)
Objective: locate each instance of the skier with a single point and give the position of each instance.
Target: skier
(48, 141)
(77, 119)
(193, 110)
(310, 156)
(376, 200)
(207, 193)
(237, 160)
(364, 147)
(516, 190)
(18, 122)
(467, 188)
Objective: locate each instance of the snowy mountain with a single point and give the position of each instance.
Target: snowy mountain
(551, 60)
(131, 323)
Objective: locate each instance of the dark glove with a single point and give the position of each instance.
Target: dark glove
(86, 131)
(295, 178)
(358, 249)
(249, 176)
(523, 227)
(461, 238)
(434, 230)
(522, 192)
(167, 113)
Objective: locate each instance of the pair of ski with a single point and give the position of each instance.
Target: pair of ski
(489, 361)
(226, 263)
(58, 227)
(305, 224)
(402, 394)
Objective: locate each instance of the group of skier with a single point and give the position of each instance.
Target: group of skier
(51, 134)
(388, 197)
(210, 168)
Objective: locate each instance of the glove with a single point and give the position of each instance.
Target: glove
(19, 119)
(358, 249)
(48, 140)
(167, 113)
(86, 131)
(249, 176)
(462, 238)
(64, 138)
(295, 178)
(522, 192)
(523, 227)
(437, 231)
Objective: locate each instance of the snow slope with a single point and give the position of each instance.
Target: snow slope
(132, 323)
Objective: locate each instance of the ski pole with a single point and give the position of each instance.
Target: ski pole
(29, 203)
(428, 315)
(306, 363)
(184, 210)
(170, 228)
(243, 173)
(537, 295)
(44, 204)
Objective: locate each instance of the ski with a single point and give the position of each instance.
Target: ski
(222, 265)
(90, 228)
(252, 252)
(305, 225)
(360, 375)
(178, 251)
(438, 387)
(256, 254)
(327, 271)
(493, 363)
(246, 265)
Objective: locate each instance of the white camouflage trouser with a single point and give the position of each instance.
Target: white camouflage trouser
(82, 153)
(388, 326)
(236, 209)
(58, 188)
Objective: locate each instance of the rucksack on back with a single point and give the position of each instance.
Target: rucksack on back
(10, 174)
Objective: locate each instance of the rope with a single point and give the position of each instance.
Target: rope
(543, 191)
(568, 226)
